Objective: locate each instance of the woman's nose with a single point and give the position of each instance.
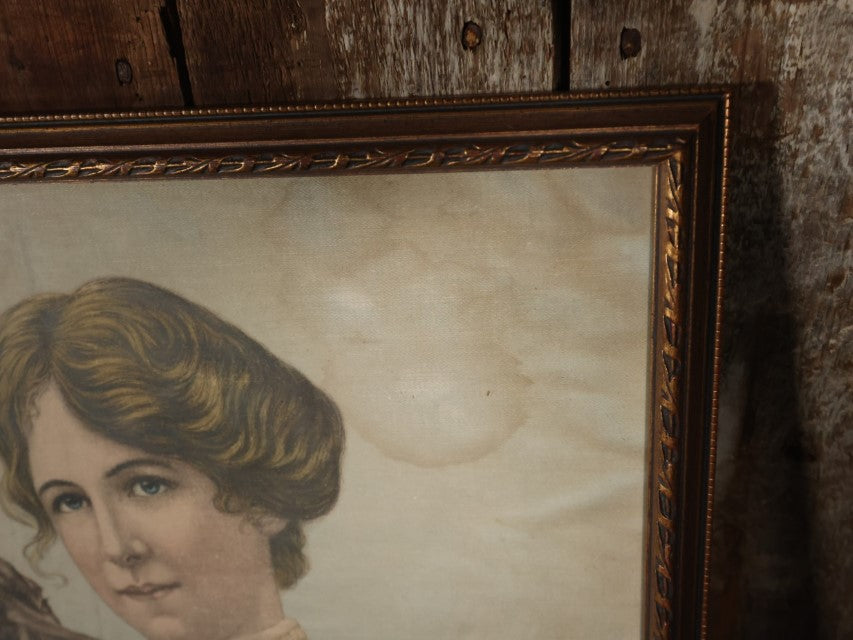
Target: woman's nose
(119, 539)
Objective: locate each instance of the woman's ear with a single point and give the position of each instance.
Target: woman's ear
(270, 525)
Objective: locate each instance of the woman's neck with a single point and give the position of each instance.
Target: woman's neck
(267, 613)
(286, 629)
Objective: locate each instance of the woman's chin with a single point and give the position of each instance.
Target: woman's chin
(170, 627)
(164, 628)
(155, 619)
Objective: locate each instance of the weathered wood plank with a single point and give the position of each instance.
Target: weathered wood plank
(299, 50)
(84, 55)
(406, 48)
(782, 566)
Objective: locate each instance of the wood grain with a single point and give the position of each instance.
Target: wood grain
(301, 50)
(264, 52)
(784, 522)
(62, 56)
(406, 48)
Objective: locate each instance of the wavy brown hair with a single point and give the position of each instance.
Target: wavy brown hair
(152, 370)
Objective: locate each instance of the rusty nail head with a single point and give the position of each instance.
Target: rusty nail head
(630, 43)
(472, 36)
(124, 72)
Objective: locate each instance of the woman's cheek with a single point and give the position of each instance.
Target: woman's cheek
(80, 537)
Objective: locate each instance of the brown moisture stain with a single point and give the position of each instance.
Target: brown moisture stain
(450, 392)
(470, 443)
(429, 432)
(429, 360)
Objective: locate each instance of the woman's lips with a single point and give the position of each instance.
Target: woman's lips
(147, 590)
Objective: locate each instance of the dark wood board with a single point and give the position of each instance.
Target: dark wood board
(782, 566)
(264, 52)
(279, 51)
(84, 54)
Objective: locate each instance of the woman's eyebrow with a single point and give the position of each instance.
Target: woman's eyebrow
(54, 483)
(138, 462)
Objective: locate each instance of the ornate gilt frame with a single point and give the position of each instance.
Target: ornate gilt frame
(684, 135)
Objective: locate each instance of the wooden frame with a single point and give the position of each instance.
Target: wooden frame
(682, 135)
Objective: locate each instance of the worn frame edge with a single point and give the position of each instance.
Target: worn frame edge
(452, 102)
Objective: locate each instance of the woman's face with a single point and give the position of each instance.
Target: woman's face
(145, 533)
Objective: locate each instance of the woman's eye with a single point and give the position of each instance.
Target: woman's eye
(68, 503)
(145, 487)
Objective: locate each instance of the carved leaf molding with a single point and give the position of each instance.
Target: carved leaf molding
(669, 404)
(571, 152)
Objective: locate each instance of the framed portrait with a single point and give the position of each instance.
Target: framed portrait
(428, 368)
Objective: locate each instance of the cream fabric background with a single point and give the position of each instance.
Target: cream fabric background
(485, 337)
